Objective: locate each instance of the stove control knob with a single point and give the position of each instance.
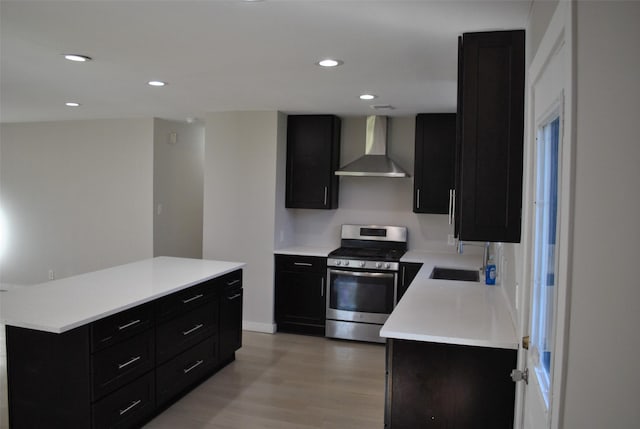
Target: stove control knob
(346, 263)
(338, 262)
(362, 263)
(387, 265)
(378, 264)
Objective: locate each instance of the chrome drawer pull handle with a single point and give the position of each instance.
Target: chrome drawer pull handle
(231, 283)
(132, 360)
(133, 404)
(194, 366)
(193, 298)
(303, 264)
(128, 325)
(234, 296)
(195, 328)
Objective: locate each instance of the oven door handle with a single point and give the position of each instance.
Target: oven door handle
(360, 273)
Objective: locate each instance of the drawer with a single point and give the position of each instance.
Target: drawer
(185, 331)
(185, 369)
(185, 300)
(301, 263)
(115, 366)
(232, 280)
(128, 407)
(120, 326)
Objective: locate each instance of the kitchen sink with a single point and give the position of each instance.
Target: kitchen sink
(455, 274)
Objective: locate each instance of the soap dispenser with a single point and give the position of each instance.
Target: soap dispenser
(490, 272)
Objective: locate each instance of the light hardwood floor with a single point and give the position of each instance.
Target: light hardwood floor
(283, 381)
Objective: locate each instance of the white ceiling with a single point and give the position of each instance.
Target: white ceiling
(233, 55)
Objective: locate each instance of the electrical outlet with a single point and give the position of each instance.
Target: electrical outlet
(451, 240)
(52, 275)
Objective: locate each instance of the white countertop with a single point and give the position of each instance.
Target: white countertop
(60, 305)
(452, 312)
(322, 252)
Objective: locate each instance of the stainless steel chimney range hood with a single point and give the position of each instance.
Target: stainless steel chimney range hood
(375, 162)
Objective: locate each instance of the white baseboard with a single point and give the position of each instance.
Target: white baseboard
(267, 328)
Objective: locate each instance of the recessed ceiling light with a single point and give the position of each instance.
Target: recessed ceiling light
(156, 83)
(368, 96)
(72, 104)
(77, 58)
(329, 62)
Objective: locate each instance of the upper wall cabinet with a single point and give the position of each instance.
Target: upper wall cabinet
(434, 163)
(490, 136)
(313, 155)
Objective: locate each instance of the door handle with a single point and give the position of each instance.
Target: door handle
(195, 328)
(525, 342)
(129, 362)
(517, 375)
(193, 298)
(450, 206)
(128, 325)
(130, 407)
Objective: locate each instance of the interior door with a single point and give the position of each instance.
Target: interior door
(547, 228)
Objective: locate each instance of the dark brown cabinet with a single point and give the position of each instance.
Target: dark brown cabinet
(300, 288)
(408, 272)
(313, 155)
(121, 370)
(490, 136)
(449, 386)
(230, 315)
(434, 178)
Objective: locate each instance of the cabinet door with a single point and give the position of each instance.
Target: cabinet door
(418, 394)
(432, 385)
(408, 272)
(434, 162)
(230, 322)
(300, 294)
(313, 155)
(491, 133)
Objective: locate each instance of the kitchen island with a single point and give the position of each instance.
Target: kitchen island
(114, 347)
(450, 348)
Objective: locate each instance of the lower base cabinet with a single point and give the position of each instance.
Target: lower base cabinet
(448, 386)
(120, 371)
(300, 294)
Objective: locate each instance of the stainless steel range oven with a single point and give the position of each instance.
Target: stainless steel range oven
(362, 280)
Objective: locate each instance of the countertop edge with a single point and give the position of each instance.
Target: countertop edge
(410, 323)
(321, 252)
(14, 322)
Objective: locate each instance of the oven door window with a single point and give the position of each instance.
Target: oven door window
(361, 291)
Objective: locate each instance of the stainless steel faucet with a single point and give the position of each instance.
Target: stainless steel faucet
(485, 255)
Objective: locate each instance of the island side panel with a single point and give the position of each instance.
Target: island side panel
(48, 377)
(432, 385)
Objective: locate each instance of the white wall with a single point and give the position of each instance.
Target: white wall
(374, 200)
(241, 164)
(602, 380)
(178, 181)
(511, 255)
(77, 194)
